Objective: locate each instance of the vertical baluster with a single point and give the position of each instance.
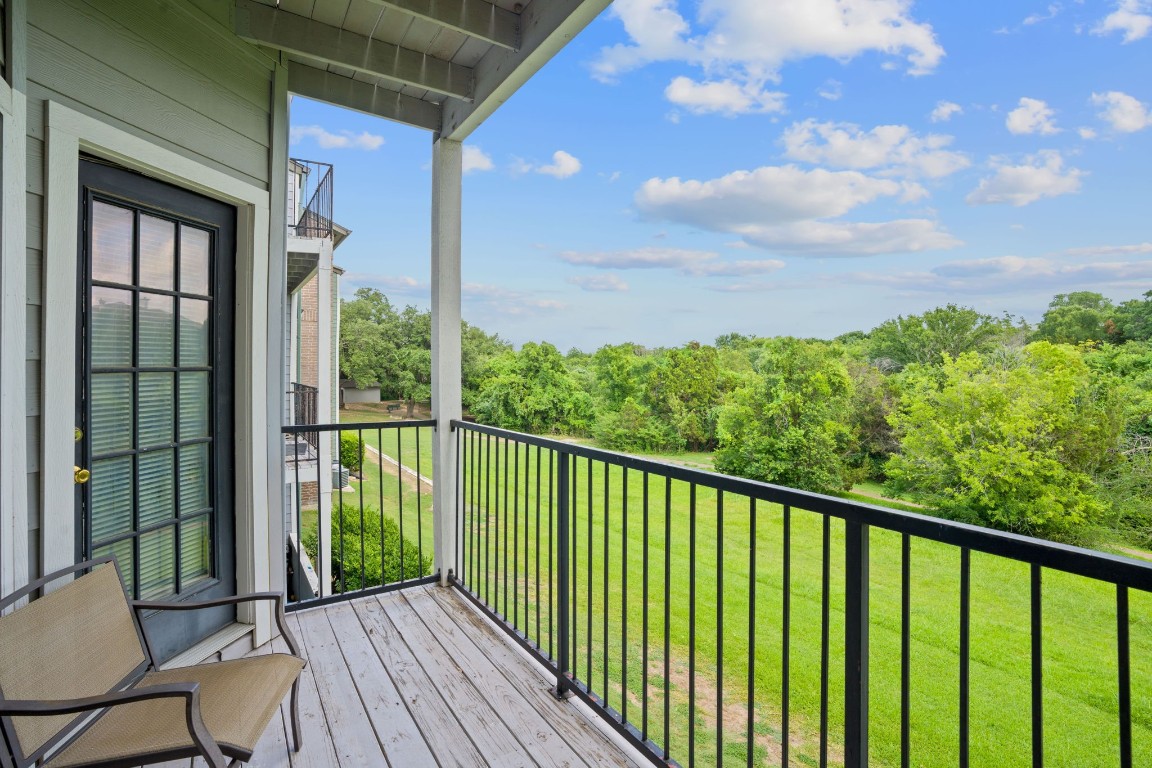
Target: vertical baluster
(624, 595)
(605, 609)
(588, 622)
(539, 636)
(749, 735)
(1124, 675)
(856, 645)
(965, 625)
(692, 624)
(786, 637)
(1037, 670)
(399, 495)
(562, 663)
(719, 628)
(905, 649)
(644, 644)
(825, 589)
(516, 534)
(667, 604)
(420, 492)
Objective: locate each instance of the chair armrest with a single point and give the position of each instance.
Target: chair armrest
(191, 605)
(190, 692)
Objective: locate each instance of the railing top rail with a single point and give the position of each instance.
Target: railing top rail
(1093, 564)
(291, 429)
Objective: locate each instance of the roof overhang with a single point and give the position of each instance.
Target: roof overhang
(441, 65)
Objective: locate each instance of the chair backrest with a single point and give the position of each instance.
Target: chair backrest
(80, 640)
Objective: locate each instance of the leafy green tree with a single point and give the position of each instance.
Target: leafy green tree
(1132, 320)
(379, 344)
(873, 399)
(1075, 318)
(788, 424)
(925, 339)
(1011, 445)
(617, 374)
(686, 387)
(631, 426)
(532, 391)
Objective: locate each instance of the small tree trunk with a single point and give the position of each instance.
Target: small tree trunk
(411, 408)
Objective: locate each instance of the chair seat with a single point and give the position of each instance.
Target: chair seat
(237, 700)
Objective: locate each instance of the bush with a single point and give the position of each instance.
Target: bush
(633, 428)
(381, 542)
(351, 452)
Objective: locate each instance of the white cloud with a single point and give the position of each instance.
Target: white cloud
(1032, 116)
(387, 283)
(640, 258)
(341, 140)
(944, 111)
(1008, 274)
(475, 159)
(747, 42)
(1042, 175)
(563, 165)
(1086, 133)
(1110, 250)
(1051, 13)
(893, 148)
(599, 283)
(831, 90)
(786, 208)
(726, 97)
(687, 262)
(1131, 17)
(1123, 112)
(505, 301)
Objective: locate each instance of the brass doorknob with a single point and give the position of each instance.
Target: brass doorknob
(81, 476)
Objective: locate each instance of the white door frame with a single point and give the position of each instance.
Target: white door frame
(68, 133)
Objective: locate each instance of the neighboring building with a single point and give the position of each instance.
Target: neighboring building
(312, 334)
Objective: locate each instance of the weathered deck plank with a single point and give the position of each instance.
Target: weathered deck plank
(530, 679)
(446, 735)
(418, 678)
(354, 743)
(548, 747)
(397, 731)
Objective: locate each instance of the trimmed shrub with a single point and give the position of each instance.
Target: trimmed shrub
(381, 541)
(351, 452)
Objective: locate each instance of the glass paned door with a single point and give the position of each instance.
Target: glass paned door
(155, 396)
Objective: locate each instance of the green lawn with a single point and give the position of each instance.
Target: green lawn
(1079, 624)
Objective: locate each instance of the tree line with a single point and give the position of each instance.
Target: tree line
(1043, 430)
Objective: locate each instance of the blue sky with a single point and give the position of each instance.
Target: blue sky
(687, 168)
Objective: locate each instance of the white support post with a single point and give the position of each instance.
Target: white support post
(324, 413)
(447, 177)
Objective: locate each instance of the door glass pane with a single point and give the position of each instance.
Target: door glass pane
(123, 552)
(156, 410)
(157, 499)
(195, 552)
(111, 511)
(157, 253)
(193, 405)
(193, 479)
(158, 563)
(194, 260)
(111, 401)
(157, 329)
(193, 332)
(111, 243)
(111, 327)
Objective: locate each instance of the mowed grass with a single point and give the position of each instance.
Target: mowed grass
(697, 589)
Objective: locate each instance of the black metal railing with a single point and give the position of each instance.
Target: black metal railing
(305, 409)
(713, 620)
(376, 498)
(310, 197)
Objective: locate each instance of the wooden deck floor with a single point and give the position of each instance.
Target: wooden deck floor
(419, 678)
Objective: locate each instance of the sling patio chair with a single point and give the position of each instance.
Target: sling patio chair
(79, 685)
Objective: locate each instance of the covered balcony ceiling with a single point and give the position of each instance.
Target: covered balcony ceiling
(442, 65)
